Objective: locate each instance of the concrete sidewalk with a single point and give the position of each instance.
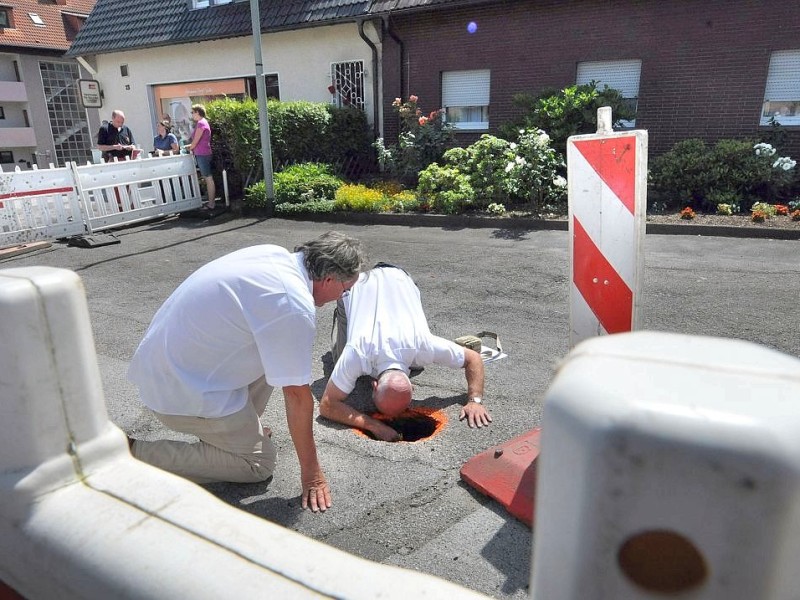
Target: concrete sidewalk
(404, 504)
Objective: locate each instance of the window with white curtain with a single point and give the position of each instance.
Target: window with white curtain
(465, 98)
(782, 93)
(622, 75)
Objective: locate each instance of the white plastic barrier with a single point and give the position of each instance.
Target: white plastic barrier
(38, 205)
(130, 191)
(670, 467)
(80, 518)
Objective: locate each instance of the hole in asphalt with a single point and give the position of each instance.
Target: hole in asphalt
(414, 424)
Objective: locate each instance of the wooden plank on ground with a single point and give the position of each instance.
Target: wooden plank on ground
(9, 251)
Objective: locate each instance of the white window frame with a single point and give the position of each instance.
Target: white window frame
(622, 75)
(208, 3)
(782, 88)
(467, 89)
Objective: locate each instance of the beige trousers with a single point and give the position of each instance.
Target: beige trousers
(232, 448)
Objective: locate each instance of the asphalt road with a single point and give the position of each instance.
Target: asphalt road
(404, 504)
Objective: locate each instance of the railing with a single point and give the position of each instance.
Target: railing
(67, 201)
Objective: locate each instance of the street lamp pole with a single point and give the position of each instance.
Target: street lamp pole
(263, 118)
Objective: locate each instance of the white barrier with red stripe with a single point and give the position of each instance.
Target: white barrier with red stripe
(607, 185)
(38, 205)
(62, 202)
(126, 192)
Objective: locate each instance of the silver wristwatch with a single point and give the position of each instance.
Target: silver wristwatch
(476, 400)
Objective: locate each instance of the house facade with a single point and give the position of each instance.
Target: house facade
(712, 69)
(191, 51)
(42, 117)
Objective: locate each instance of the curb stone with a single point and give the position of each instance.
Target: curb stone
(531, 224)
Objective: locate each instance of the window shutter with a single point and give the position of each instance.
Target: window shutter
(466, 88)
(783, 81)
(622, 75)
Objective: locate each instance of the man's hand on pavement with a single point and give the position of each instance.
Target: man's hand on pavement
(476, 415)
(316, 493)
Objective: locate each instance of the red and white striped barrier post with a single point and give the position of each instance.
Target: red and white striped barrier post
(607, 185)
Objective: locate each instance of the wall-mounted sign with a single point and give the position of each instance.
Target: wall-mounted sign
(90, 93)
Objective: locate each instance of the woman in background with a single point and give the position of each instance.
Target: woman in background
(201, 147)
(165, 141)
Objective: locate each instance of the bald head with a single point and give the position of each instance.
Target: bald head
(392, 393)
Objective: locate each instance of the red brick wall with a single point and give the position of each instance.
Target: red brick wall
(704, 63)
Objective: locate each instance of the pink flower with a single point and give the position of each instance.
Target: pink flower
(412, 98)
(423, 120)
(397, 102)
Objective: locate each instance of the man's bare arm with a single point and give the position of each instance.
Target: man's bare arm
(333, 407)
(475, 413)
(299, 417)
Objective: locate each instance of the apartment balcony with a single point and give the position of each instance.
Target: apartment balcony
(13, 91)
(17, 137)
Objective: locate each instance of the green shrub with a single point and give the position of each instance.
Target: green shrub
(349, 133)
(237, 145)
(682, 175)
(404, 201)
(296, 129)
(567, 112)
(304, 208)
(735, 172)
(445, 189)
(360, 198)
(255, 195)
(305, 182)
(502, 172)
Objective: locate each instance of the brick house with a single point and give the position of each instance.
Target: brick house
(42, 118)
(712, 69)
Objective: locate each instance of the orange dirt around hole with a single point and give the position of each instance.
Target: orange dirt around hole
(416, 424)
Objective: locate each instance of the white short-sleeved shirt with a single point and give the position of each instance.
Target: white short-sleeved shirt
(247, 314)
(387, 329)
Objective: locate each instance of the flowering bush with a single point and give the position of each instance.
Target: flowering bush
(360, 198)
(724, 209)
(445, 189)
(688, 214)
(767, 210)
(526, 171)
(759, 216)
(422, 140)
(781, 209)
(795, 215)
(732, 171)
(496, 209)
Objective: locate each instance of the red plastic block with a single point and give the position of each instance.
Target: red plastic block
(507, 473)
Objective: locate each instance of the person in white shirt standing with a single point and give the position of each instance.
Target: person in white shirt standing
(383, 333)
(232, 331)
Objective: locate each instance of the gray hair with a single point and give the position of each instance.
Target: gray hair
(332, 254)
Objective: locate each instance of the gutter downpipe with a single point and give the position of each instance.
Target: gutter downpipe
(399, 42)
(375, 75)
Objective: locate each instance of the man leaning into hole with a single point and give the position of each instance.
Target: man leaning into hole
(382, 332)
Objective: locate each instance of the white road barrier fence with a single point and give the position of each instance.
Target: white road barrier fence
(44, 204)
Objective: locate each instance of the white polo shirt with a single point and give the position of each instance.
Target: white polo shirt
(247, 314)
(387, 329)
